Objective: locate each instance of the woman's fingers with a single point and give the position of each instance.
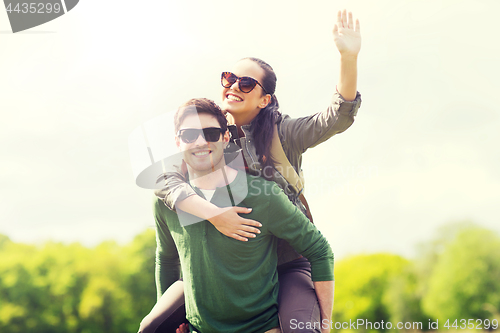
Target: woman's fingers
(247, 231)
(246, 235)
(231, 224)
(358, 28)
(247, 228)
(339, 19)
(345, 20)
(336, 30)
(350, 23)
(244, 210)
(243, 235)
(238, 237)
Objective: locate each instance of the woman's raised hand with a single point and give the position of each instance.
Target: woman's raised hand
(229, 223)
(346, 35)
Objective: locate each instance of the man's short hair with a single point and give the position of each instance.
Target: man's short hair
(198, 106)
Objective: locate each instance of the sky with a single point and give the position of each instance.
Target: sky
(422, 153)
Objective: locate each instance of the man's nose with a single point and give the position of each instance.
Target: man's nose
(200, 140)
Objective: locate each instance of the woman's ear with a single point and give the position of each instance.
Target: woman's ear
(265, 101)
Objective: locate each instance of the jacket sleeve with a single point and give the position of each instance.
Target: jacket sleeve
(287, 222)
(167, 263)
(175, 188)
(299, 134)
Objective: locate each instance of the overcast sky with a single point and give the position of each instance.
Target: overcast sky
(423, 151)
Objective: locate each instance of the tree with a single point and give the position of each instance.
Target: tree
(361, 282)
(403, 298)
(57, 288)
(465, 280)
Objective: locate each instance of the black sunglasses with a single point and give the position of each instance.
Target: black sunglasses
(245, 83)
(210, 134)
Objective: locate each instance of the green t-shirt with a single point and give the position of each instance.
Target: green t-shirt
(229, 285)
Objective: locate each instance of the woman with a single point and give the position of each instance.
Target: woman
(248, 97)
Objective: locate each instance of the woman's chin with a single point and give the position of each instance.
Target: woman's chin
(228, 107)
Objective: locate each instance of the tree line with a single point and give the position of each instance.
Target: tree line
(57, 288)
(110, 288)
(454, 279)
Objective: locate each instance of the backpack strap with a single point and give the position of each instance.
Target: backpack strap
(287, 171)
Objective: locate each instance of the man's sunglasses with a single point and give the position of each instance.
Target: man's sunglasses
(190, 135)
(245, 83)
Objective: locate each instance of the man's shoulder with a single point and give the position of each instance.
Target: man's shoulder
(157, 203)
(264, 191)
(258, 181)
(160, 209)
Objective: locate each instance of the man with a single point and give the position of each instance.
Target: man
(232, 286)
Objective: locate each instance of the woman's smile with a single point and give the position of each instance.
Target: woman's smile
(233, 98)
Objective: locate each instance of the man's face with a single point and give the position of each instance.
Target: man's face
(202, 156)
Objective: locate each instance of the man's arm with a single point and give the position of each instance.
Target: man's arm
(167, 265)
(287, 222)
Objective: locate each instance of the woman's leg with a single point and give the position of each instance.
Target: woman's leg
(173, 321)
(168, 313)
(298, 304)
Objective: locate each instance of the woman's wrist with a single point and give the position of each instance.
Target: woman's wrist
(349, 56)
(199, 207)
(212, 212)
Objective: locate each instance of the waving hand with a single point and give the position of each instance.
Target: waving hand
(346, 35)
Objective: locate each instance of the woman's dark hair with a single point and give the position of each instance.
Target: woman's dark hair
(263, 125)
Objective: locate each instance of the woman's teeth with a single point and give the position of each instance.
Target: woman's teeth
(234, 98)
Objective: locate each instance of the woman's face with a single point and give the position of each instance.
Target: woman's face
(243, 104)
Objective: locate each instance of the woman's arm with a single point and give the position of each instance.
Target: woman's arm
(299, 134)
(347, 38)
(226, 220)
(179, 194)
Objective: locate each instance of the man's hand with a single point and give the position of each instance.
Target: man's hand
(184, 328)
(347, 37)
(229, 223)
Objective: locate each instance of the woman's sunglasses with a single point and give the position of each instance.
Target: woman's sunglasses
(245, 83)
(190, 135)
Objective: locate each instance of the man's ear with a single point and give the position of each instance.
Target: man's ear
(265, 101)
(226, 137)
(178, 142)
